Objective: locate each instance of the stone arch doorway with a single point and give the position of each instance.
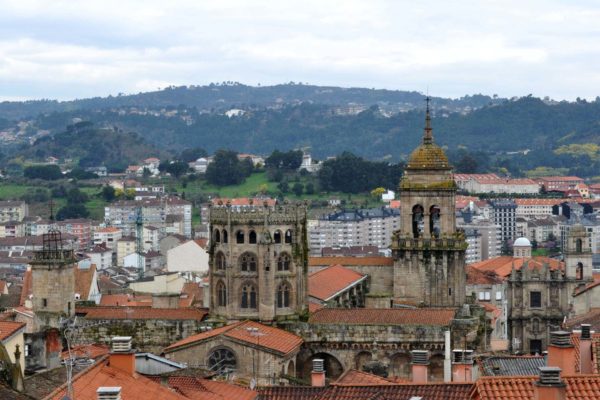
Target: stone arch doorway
(400, 365)
(333, 367)
(361, 359)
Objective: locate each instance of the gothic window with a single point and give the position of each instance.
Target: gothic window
(434, 221)
(239, 237)
(417, 221)
(248, 262)
(248, 296)
(277, 236)
(579, 271)
(252, 237)
(225, 239)
(288, 236)
(283, 295)
(578, 245)
(221, 294)
(222, 361)
(220, 261)
(283, 262)
(217, 236)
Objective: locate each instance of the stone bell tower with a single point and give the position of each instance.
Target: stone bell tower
(428, 251)
(258, 261)
(578, 256)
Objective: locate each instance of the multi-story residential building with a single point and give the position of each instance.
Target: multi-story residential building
(541, 230)
(154, 212)
(489, 237)
(81, 228)
(535, 208)
(151, 238)
(473, 239)
(12, 229)
(504, 215)
(107, 236)
(125, 246)
(361, 227)
(559, 183)
(101, 256)
(13, 210)
(35, 226)
(492, 183)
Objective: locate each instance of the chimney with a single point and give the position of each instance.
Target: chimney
(585, 350)
(462, 365)
(121, 355)
(550, 386)
(109, 393)
(317, 376)
(561, 353)
(420, 363)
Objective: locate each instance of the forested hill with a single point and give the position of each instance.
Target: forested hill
(219, 97)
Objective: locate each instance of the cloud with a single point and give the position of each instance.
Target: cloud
(66, 49)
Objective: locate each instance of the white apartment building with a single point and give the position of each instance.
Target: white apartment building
(361, 227)
(108, 236)
(535, 208)
(13, 210)
(488, 239)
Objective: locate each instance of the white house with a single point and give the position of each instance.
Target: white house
(187, 257)
(101, 256)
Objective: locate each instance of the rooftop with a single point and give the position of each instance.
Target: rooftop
(365, 261)
(9, 328)
(511, 365)
(111, 313)
(205, 389)
(268, 337)
(328, 282)
(384, 316)
(502, 265)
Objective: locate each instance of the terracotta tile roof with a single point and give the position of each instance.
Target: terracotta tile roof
(126, 300)
(560, 178)
(580, 387)
(312, 307)
(353, 377)
(109, 313)
(326, 283)
(363, 261)
(9, 328)
(592, 317)
(133, 387)
(83, 280)
(429, 391)
(2, 286)
(575, 339)
(27, 287)
(502, 265)
(591, 285)
(269, 338)
(384, 316)
(204, 389)
(92, 351)
(194, 293)
(479, 277)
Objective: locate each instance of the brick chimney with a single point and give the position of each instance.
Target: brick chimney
(420, 364)
(462, 365)
(121, 355)
(550, 386)
(585, 350)
(561, 353)
(317, 376)
(109, 393)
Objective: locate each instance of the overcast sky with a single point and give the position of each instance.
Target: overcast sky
(74, 49)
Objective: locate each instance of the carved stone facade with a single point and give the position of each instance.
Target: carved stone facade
(540, 298)
(258, 262)
(429, 253)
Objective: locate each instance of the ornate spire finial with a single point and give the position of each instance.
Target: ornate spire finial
(427, 135)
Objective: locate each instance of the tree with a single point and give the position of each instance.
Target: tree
(283, 186)
(76, 196)
(225, 169)
(290, 160)
(46, 172)
(108, 193)
(177, 168)
(72, 211)
(298, 189)
(466, 165)
(377, 192)
(310, 188)
(189, 155)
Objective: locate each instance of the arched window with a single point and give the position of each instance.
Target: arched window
(434, 221)
(222, 361)
(579, 271)
(217, 236)
(225, 238)
(283, 262)
(578, 246)
(248, 296)
(283, 295)
(288, 236)
(417, 221)
(248, 262)
(252, 237)
(277, 236)
(221, 294)
(220, 261)
(239, 237)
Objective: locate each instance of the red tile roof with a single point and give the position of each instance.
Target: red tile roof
(2, 286)
(92, 351)
(502, 265)
(133, 387)
(326, 283)
(205, 389)
(269, 338)
(193, 291)
(479, 277)
(384, 316)
(27, 287)
(109, 313)
(580, 387)
(363, 261)
(84, 278)
(592, 317)
(9, 328)
(354, 377)
(202, 242)
(126, 300)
